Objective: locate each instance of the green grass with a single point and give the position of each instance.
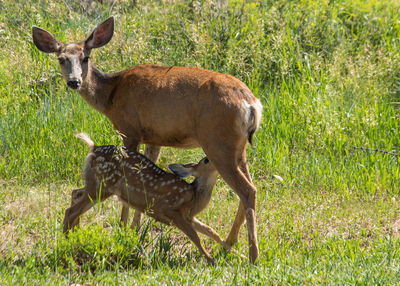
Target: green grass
(327, 73)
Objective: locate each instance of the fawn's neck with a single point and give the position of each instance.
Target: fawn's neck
(204, 184)
(203, 189)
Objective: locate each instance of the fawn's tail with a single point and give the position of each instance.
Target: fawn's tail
(86, 139)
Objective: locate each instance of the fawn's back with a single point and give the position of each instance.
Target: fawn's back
(137, 181)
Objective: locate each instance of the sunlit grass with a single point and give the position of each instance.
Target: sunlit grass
(327, 73)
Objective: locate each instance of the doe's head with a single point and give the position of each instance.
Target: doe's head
(74, 58)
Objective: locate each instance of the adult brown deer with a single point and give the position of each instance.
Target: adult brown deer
(139, 183)
(170, 106)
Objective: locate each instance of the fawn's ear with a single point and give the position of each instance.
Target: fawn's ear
(180, 170)
(101, 35)
(44, 40)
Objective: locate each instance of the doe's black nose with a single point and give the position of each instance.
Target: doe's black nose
(74, 83)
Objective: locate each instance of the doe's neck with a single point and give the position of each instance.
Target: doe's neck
(97, 88)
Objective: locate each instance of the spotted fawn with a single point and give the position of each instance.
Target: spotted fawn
(140, 184)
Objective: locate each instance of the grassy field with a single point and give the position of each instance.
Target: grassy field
(328, 75)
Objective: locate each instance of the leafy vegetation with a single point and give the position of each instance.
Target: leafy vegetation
(327, 73)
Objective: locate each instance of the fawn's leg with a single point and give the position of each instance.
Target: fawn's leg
(76, 196)
(188, 229)
(210, 232)
(72, 214)
(85, 202)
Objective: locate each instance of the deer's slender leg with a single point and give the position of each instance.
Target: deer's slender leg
(210, 232)
(152, 152)
(250, 213)
(76, 196)
(247, 193)
(228, 164)
(136, 219)
(124, 215)
(188, 229)
(240, 215)
(239, 220)
(73, 213)
(133, 145)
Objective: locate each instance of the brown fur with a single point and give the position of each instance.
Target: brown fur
(181, 107)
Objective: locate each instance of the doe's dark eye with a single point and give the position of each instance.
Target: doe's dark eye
(206, 161)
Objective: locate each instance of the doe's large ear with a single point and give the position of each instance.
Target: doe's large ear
(180, 170)
(101, 35)
(44, 40)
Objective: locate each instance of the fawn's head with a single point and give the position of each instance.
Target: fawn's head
(202, 169)
(74, 58)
